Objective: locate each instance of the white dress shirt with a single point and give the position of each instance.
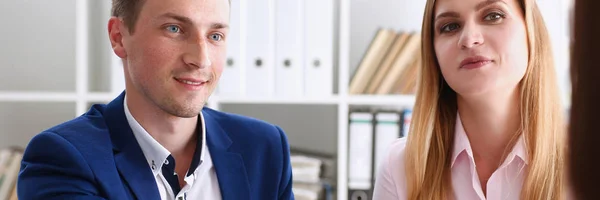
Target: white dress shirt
(201, 184)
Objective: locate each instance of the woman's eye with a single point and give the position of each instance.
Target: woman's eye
(449, 27)
(173, 29)
(494, 16)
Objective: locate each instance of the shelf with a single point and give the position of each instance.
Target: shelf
(38, 96)
(376, 100)
(55, 97)
(382, 100)
(276, 100)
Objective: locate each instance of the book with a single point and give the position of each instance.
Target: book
(10, 175)
(407, 81)
(404, 59)
(387, 62)
(371, 60)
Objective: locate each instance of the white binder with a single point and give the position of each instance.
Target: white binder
(319, 24)
(360, 151)
(230, 84)
(387, 130)
(289, 33)
(260, 49)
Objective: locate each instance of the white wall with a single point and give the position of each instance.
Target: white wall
(37, 46)
(100, 51)
(20, 121)
(37, 54)
(556, 16)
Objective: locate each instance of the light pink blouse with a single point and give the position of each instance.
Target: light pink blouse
(504, 184)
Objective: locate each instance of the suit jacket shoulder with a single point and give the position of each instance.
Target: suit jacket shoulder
(239, 128)
(79, 152)
(87, 133)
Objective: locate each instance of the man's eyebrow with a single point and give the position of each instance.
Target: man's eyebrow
(177, 17)
(187, 20)
(219, 26)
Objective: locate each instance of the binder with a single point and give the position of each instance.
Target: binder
(260, 39)
(406, 120)
(360, 155)
(387, 130)
(318, 49)
(289, 60)
(359, 195)
(230, 83)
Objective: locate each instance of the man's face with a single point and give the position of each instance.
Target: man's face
(175, 57)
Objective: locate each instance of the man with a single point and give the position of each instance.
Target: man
(156, 141)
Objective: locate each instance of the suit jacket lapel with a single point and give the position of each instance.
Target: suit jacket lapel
(129, 158)
(229, 165)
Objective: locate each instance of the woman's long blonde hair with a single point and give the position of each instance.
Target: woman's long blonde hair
(430, 141)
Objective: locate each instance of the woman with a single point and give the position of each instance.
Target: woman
(487, 123)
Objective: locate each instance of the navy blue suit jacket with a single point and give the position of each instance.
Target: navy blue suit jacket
(96, 156)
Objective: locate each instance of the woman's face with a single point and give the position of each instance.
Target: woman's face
(481, 45)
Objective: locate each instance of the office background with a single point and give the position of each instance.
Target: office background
(56, 61)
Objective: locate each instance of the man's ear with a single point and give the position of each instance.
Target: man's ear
(115, 35)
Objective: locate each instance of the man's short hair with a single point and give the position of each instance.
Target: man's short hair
(129, 10)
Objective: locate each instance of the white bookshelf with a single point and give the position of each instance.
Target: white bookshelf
(277, 100)
(356, 23)
(38, 97)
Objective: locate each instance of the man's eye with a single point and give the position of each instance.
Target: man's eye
(216, 37)
(173, 29)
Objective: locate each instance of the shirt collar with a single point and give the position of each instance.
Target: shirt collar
(461, 141)
(520, 150)
(154, 152)
(462, 144)
(200, 150)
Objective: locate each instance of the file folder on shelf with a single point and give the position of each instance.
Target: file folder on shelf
(387, 130)
(360, 155)
(232, 77)
(289, 34)
(260, 39)
(318, 47)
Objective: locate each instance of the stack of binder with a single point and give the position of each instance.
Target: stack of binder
(312, 176)
(370, 135)
(279, 48)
